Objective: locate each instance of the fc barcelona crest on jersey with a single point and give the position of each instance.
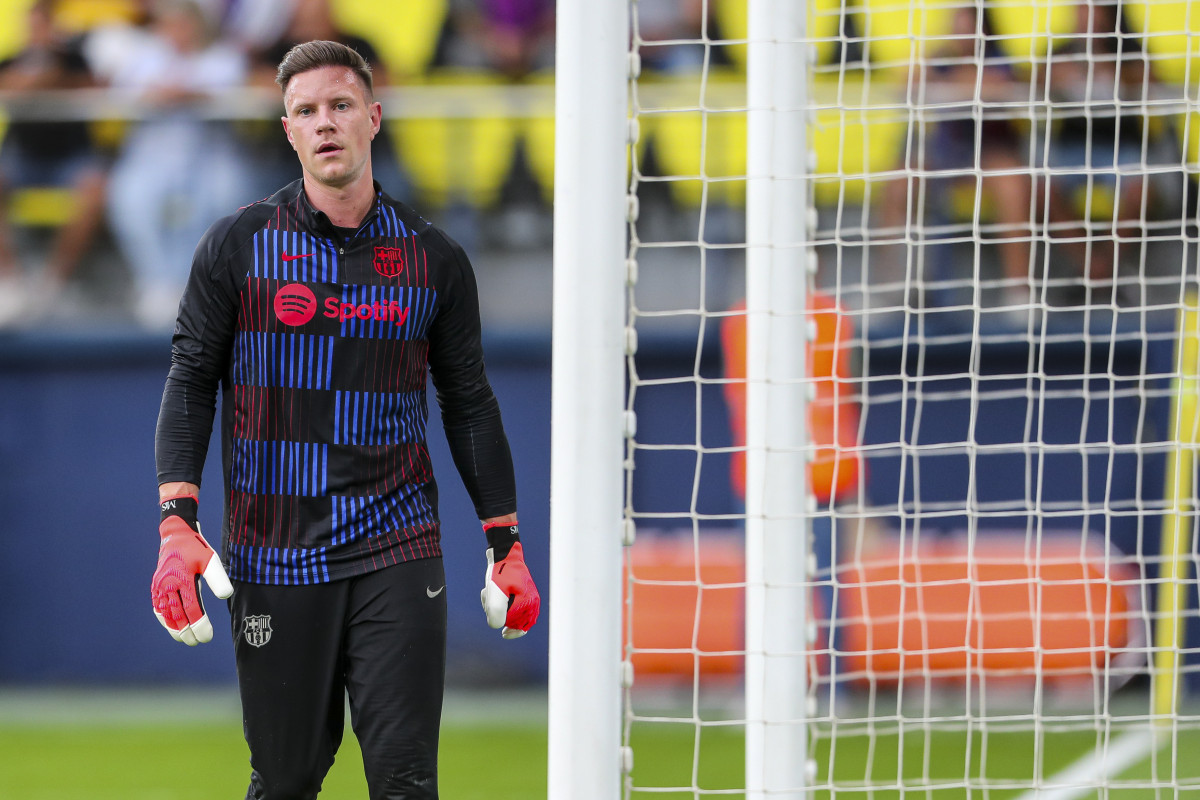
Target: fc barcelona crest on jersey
(257, 629)
(389, 261)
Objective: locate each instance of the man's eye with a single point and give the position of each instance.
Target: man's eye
(342, 106)
(303, 112)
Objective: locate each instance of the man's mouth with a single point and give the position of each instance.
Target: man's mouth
(328, 147)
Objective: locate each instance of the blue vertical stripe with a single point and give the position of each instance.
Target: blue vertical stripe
(375, 419)
(294, 468)
(388, 223)
(354, 518)
(319, 263)
(291, 360)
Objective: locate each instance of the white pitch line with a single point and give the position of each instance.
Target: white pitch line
(1082, 777)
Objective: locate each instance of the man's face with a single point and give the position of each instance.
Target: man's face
(330, 122)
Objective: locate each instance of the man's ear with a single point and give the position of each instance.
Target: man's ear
(287, 130)
(376, 117)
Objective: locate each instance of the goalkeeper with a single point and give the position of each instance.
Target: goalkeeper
(317, 314)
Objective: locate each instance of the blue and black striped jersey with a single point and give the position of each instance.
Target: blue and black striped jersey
(320, 345)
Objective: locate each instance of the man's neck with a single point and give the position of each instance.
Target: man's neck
(345, 206)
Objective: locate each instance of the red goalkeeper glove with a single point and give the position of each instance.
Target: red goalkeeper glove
(183, 556)
(510, 598)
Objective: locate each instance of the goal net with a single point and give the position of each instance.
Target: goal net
(912, 355)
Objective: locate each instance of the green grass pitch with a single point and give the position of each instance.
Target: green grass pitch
(209, 760)
(204, 759)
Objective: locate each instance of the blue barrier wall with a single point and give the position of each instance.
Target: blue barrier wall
(78, 511)
(78, 516)
(1080, 392)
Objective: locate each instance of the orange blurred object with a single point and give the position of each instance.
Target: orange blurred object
(833, 412)
(688, 606)
(951, 612)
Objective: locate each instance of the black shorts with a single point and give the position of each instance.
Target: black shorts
(378, 638)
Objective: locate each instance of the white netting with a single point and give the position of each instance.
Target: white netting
(1001, 402)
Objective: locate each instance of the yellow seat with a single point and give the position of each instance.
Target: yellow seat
(700, 152)
(897, 33)
(41, 207)
(108, 134)
(405, 34)
(458, 159)
(1169, 34)
(77, 16)
(537, 137)
(37, 206)
(823, 26)
(731, 18)
(857, 140)
(1030, 29)
(15, 29)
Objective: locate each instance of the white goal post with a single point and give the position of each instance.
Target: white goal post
(587, 448)
(876, 376)
(777, 258)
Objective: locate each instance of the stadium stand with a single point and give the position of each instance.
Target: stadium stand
(407, 41)
(14, 30)
(459, 160)
(711, 147)
(537, 137)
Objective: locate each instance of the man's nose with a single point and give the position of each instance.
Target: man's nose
(324, 121)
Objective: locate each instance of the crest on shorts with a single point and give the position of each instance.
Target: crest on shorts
(257, 629)
(389, 261)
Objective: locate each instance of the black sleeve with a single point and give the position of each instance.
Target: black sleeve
(199, 355)
(470, 413)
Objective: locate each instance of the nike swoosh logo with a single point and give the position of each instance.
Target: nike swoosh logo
(432, 593)
(286, 257)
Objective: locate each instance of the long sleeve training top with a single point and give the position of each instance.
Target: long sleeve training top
(319, 342)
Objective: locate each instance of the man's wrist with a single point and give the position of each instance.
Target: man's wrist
(501, 536)
(177, 489)
(185, 507)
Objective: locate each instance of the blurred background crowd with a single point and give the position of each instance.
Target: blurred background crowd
(130, 125)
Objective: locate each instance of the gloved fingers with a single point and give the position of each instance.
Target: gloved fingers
(523, 612)
(512, 633)
(193, 607)
(217, 579)
(169, 610)
(495, 603)
(201, 630)
(178, 606)
(184, 634)
(493, 598)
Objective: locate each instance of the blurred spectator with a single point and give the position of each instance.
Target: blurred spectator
(511, 37)
(509, 41)
(672, 34)
(47, 154)
(109, 42)
(974, 151)
(1094, 147)
(176, 171)
(255, 24)
(275, 162)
